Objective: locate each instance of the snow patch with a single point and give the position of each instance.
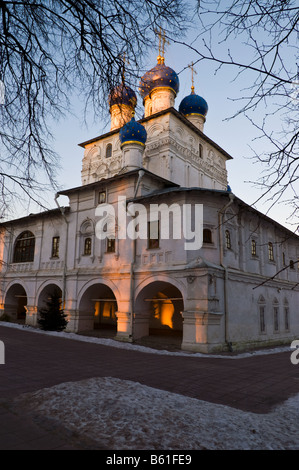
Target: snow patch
(122, 415)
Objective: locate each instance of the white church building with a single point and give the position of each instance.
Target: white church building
(223, 277)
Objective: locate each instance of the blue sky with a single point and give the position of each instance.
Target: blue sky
(235, 135)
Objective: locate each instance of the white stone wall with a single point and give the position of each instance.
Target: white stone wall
(172, 151)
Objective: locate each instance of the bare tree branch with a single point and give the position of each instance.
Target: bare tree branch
(266, 34)
(52, 48)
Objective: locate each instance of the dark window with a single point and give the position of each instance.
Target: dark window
(227, 240)
(153, 235)
(110, 245)
(253, 247)
(276, 318)
(55, 247)
(207, 235)
(270, 251)
(262, 319)
(292, 265)
(24, 248)
(109, 151)
(200, 153)
(87, 246)
(286, 318)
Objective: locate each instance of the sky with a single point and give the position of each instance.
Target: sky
(236, 136)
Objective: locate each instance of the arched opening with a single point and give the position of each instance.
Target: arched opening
(97, 310)
(15, 306)
(46, 294)
(161, 303)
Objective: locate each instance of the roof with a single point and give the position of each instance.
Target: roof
(219, 192)
(44, 214)
(117, 177)
(171, 188)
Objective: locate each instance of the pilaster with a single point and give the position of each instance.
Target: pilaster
(201, 331)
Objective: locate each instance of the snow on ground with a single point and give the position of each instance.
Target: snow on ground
(125, 415)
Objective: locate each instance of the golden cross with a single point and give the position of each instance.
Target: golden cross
(125, 61)
(162, 41)
(191, 66)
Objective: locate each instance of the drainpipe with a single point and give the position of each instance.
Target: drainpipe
(140, 176)
(62, 210)
(220, 225)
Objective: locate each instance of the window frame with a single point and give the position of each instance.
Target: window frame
(108, 150)
(110, 245)
(276, 318)
(228, 240)
(87, 244)
(209, 238)
(102, 197)
(271, 252)
(24, 248)
(253, 248)
(262, 318)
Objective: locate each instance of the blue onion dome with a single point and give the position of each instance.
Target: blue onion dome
(159, 76)
(193, 104)
(132, 132)
(123, 94)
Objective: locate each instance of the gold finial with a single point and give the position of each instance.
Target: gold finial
(162, 42)
(191, 66)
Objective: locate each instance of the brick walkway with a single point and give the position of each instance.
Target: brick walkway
(35, 361)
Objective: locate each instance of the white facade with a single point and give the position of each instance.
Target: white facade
(236, 291)
(175, 150)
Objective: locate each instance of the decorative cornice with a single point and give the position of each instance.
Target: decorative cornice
(210, 169)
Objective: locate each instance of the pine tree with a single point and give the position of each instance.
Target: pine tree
(52, 317)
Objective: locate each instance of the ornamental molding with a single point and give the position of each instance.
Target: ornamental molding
(209, 167)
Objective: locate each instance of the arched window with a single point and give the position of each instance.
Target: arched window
(262, 314)
(276, 315)
(200, 151)
(253, 247)
(24, 248)
(207, 235)
(228, 240)
(87, 246)
(86, 242)
(286, 315)
(109, 151)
